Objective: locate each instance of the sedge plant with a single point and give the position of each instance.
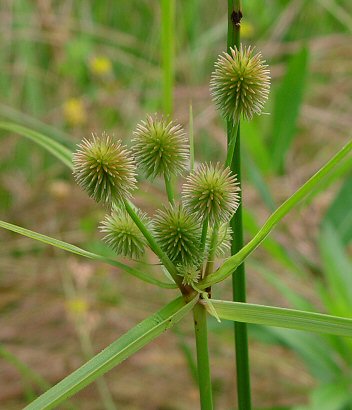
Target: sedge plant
(190, 233)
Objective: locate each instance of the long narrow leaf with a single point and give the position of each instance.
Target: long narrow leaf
(286, 108)
(10, 114)
(231, 264)
(281, 317)
(54, 147)
(121, 349)
(78, 251)
(339, 215)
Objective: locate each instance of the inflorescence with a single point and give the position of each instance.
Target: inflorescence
(178, 233)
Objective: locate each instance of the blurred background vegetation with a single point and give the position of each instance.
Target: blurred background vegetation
(70, 68)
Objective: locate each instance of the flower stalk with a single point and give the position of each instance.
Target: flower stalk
(169, 189)
(154, 246)
(203, 366)
(238, 276)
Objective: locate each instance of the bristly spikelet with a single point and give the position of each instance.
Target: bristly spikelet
(178, 234)
(211, 192)
(105, 169)
(223, 243)
(160, 147)
(240, 84)
(190, 274)
(122, 234)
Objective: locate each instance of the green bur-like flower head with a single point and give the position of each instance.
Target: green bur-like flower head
(240, 84)
(178, 234)
(160, 147)
(105, 169)
(123, 235)
(211, 192)
(190, 274)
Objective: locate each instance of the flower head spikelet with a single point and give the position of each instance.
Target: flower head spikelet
(122, 234)
(190, 274)
(160, 147)
(105, 169)
(211, 192)
(240, 84)
(178, 234)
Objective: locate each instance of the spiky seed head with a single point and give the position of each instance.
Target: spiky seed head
(105, 169)
(190, 274)
(160, 147)
(178, 234)
(211, 192)
(240, 84)
(223, 243)
(122, 234)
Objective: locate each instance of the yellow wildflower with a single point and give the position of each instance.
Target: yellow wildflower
(75, 112)
(77, 306)
(100, 66)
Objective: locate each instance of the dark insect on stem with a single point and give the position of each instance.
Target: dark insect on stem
(236, 17)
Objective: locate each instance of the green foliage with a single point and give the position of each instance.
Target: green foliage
(114, 354)
(338, 215)
(287, 104)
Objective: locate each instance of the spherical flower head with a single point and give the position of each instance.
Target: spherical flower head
(212, 192)
(178, 234)
(122, 234)
(190, 274)
(160, 147)
(240, 84)
(105, 169)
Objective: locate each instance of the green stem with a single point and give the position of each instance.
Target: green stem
(212, 250)
(191, 138)
(169, 189)
(204, 235)
(167, 48)
(154, 246)
(233, 132)
(203, 367)
(238, 276)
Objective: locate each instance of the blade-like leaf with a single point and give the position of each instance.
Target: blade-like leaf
(78, 251)
(10, 114)
(231, 264)
(340, 216)
(121, 349)
(54, 147)
(286, 108)
(336, 290)
(281, 317)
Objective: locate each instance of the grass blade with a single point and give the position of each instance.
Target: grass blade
(78, 251)
(167, 50)
(286, 109)
(340, 216)
(10, 114)
(54, 147)
(121, 349)
(281, 317)
(228, 267)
